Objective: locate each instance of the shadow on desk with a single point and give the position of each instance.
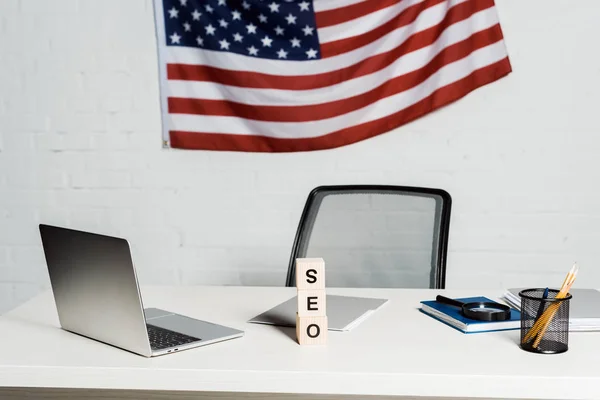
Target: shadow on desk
(28, 324)
(107, 394)
(288, 331)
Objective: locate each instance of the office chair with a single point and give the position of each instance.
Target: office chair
(375, 236)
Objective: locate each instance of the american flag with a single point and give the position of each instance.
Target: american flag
(302, 75)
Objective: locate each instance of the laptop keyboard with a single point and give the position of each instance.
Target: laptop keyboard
(161, 338)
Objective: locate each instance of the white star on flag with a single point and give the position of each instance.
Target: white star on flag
(175, 38)
(210, 30)
(251, 28)
(224, 44)
(308, 30)
(266, 41)
(291, 19)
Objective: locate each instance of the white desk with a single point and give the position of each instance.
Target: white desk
(398, 351)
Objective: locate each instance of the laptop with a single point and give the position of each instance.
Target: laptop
(97, 296)
(344, 313)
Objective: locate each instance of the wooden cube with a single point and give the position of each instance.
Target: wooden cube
(312, 303)
(310, 273)
(311, 330)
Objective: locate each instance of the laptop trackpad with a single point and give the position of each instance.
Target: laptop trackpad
(192, 327)
(151, 313)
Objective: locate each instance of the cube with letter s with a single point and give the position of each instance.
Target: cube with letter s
(310, 273)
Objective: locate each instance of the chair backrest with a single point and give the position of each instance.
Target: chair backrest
(375, 235)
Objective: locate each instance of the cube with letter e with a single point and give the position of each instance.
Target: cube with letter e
(312, 303)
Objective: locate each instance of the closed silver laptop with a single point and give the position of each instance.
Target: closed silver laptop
(97, 296)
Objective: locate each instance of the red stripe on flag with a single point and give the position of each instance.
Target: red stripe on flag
(353, 11)
(256, 143)
(368, 66)
(314, 112)
(406, 17)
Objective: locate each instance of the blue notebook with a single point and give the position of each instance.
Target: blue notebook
(453, 317)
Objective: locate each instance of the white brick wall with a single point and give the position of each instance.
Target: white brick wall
(80, 145)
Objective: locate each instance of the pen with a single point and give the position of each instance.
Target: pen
(542, 303)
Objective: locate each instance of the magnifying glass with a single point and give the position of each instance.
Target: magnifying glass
(480, 310)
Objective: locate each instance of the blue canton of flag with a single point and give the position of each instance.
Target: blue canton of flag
(280, 30)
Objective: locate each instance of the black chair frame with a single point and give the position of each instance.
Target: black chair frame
(305, 226)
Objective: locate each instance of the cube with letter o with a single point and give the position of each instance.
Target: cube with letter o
(311, 330)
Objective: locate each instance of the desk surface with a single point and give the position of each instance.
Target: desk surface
(396, 351)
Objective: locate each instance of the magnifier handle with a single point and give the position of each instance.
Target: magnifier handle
(451, 302)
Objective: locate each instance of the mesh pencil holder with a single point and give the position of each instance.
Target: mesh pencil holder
(544, 321)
